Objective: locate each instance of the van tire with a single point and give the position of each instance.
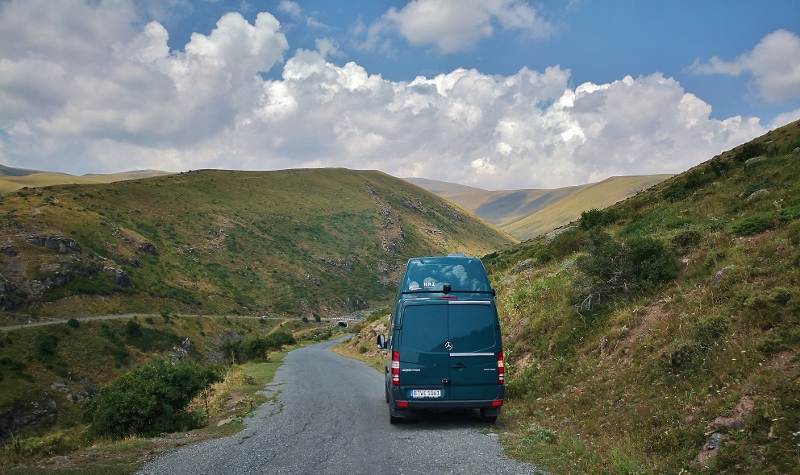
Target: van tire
(489, 419)
(395, 419)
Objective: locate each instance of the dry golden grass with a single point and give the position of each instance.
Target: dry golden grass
(38, 180)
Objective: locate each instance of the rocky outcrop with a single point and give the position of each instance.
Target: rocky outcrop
(393, 238)
(8, 294)
(58, 244)
(719, 429)
(60, 278)
(181, 352)
(121, 278)
(40, 412)
(148, 248)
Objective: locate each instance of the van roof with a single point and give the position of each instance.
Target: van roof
(431, 274)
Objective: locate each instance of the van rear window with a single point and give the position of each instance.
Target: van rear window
(470, 328)
(431, 276)
(425, 327)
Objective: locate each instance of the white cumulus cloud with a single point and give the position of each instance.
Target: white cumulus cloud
(774, 64)
(458, 25)
(112, 96)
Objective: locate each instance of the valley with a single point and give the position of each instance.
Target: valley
(658, 334)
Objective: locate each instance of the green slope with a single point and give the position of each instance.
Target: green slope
(662, 334)
(297, 242)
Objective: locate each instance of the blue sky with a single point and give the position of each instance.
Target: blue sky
(507, 93)
(598, 41)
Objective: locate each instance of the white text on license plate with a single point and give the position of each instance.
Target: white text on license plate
(425, 393)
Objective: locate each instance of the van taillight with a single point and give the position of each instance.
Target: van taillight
(395, 368)
(501, 369)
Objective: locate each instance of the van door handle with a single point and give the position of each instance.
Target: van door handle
(459, 366)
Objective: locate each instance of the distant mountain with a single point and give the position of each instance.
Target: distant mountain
(12, 179)
(9, 171)
(528, 213)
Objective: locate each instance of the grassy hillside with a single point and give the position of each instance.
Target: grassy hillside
(525, 214)
(296, 242)
(662, 334)
(569, 208)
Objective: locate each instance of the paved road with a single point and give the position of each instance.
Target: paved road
(330, 418)
(55, 322)
(119, 315)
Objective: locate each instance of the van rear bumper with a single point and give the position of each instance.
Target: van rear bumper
(457, 403)
(446, 405)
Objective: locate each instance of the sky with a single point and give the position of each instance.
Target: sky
(496, 94)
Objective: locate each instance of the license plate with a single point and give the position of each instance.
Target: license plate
(425, 393)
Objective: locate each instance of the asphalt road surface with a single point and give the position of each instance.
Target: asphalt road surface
(330, 417)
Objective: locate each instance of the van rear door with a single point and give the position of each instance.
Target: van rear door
(450, 346)
(423, 358)
(473, 337)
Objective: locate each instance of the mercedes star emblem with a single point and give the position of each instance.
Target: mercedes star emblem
(448, 346)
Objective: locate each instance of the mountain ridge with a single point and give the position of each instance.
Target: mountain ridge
(528, 213)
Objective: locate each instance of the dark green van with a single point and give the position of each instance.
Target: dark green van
(444, 350)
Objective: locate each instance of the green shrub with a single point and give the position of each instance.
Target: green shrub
(149, 339)
(148, 401)
(793, 233)
(753, 224)
(595, 218)
(121, 356)
(692, 180)
(46, 347)
(74, 323)
(12, 365)
(758, 223)
(566, 243)
(750, 150)
(256, 347)
(787, 215)
(650, 261)
(686, 240)
(613, 268)
(133, 329)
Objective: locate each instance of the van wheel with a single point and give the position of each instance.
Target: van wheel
(485, 418)
(394, 419)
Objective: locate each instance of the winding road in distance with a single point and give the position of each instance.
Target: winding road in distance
(329, 417)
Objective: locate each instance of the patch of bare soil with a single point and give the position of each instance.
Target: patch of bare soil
(649, 317)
